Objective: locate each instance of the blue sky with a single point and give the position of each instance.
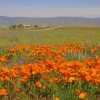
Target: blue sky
(50, 8)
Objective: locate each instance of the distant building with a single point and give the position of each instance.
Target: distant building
(25, 26)
(43, 26)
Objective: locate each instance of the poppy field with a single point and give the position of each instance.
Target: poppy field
(61, 71)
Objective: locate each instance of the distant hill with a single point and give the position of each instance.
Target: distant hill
(8, 21)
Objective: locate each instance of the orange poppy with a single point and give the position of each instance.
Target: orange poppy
(3, 92)
(82, 95)
(17, 90)
(77, 92)
(38, 84)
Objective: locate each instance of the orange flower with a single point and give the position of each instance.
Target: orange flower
(82, 95)
(56, 98)
(56, 80)
(3, 59)
(3, 92)
(1, 79)
(77, 92)
(7, 78)
(23, 80)
(65, 79)
(88, 78)
(44, 87)
(17, 90)
(13, 75)
(14, 84)
(38, 84)
(47, 79)
(72, 79)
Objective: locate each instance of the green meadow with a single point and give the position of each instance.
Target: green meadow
(60, 71)
(56, 36)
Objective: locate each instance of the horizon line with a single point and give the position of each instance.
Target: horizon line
(50, 17)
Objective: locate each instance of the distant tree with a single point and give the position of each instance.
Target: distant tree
(35, 26)
(20, 26)
(13, 27)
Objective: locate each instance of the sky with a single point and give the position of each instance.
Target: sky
(50, 8)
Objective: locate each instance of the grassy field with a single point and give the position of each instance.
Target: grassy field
(54, 70)
(56, 36)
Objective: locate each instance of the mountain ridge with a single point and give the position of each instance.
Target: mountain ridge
(8, 21)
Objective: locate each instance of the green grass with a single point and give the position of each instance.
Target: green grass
(56, 36)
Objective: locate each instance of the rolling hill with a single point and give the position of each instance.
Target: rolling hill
(8, 21)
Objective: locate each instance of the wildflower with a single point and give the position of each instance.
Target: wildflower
(7, 78)
(82, 95)
(17, 90)
(56, 80)
(3, 92)
(47, 79)
(1, 79)
(77, 92)
(44, 87)
(56, 98)
(14, 84)
(64, 79)
(72, 79)
(88, 78)
(23, 80)
(38, 84)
